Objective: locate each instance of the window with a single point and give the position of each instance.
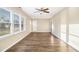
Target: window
(4, 22)
(16, 23)
(10, 23)
(22, 24)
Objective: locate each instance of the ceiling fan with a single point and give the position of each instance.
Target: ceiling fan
(42, 10)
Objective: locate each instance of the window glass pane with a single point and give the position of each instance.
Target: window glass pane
(22, 27)
(4, 28)
(16, 22)
(22, 24)
(16, 19)
(16, 27)
(22, 21)
(4, 16)
(4, 22)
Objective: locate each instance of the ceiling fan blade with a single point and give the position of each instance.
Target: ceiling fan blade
(42, 10)
(46, 11)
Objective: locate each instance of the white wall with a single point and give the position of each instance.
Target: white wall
(9, 41)
(65, 25)
(42, 25)
(56, 25)
(60, 25)
(34, 25)
(74, 27)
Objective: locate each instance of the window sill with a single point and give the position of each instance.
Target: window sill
(4, 36)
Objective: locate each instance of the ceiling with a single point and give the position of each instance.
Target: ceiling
(30, 11)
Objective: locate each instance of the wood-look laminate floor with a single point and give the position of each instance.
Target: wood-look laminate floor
(41, 42)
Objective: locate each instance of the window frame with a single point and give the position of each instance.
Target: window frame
(14, 23)
(23, 23)
(11, 21)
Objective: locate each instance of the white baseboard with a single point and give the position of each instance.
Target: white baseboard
(71, 44)
(14, 43)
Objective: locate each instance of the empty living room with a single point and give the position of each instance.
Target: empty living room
(39, 29)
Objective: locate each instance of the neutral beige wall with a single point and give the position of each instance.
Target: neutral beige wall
(74, 15)
(9, 41)
(42, 25)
